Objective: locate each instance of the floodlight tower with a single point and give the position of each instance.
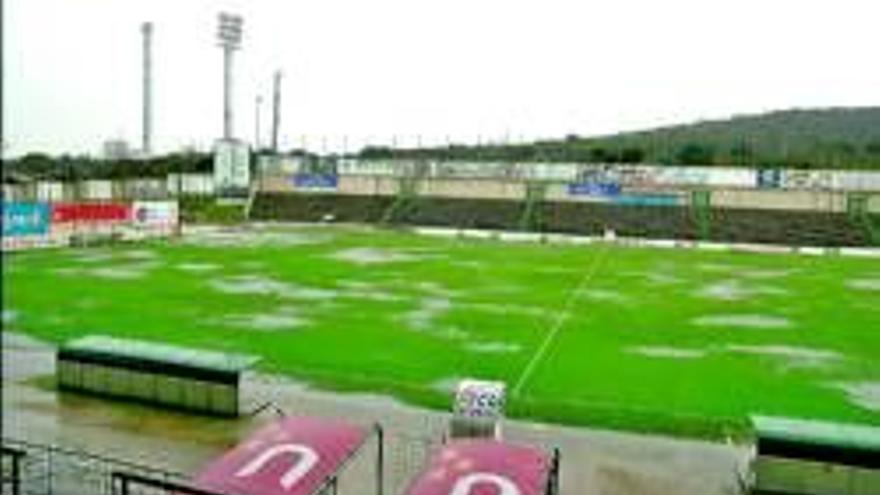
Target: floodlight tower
(229, 38)
(276, 109)
(147, 109)
(257, 103)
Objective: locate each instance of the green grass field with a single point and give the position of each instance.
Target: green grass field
(673, 341)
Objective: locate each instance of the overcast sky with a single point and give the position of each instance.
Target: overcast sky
(415, 71)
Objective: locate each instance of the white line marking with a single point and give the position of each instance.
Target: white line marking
(557, 325)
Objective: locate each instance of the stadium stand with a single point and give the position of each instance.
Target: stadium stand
(789, 227)
(463, 213)
(658, 222)
(319, 207)
(798, 228)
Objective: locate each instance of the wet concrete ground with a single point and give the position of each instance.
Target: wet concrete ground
(592, 462)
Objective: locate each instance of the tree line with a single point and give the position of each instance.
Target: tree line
(833, 155)
(842, 138)
(835, 138)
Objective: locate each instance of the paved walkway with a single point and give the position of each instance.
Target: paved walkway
(593, 461)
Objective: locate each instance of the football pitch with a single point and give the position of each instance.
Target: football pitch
(673, 341)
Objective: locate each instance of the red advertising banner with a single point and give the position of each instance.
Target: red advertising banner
(90, 212)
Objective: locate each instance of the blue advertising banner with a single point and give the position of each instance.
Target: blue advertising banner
(769, 178)
(593, 189)
(315, 181)
(22, 219)
(647, 200)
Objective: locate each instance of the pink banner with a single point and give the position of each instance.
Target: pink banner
(292, 456)
(484, 467)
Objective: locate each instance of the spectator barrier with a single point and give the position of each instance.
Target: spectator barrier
(34, 224)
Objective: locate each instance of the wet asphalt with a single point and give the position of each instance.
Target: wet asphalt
(592, 461)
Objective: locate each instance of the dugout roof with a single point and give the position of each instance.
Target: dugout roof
(463, 466)
(291, 456)
(142, 354)
(818, 440)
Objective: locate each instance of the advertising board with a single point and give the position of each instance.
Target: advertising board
(25, 225)
(597, 189)
(25, 219)
(315, 181)
(856, 180)
(479, 399)
(812, 180)
(90, 212)
(154, 214)
(648, 200)
(769, 178)
(232, 174)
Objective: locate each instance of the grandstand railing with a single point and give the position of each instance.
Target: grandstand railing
(29, 468)
(39, 469)
(125, 483)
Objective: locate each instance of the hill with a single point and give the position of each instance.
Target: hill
(819, 138)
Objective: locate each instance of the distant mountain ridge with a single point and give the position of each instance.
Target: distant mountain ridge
(833, 138)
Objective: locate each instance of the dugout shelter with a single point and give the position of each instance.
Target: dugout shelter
(808, 457)
(177, 377)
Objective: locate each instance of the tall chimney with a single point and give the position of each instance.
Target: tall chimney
(147, 115)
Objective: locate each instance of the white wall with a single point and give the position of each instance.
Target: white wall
(50, 191)
(97, 189)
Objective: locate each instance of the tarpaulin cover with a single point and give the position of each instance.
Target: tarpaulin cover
(484, 467)
(90, 212)
(292, 456)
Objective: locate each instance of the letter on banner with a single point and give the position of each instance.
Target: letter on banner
(467, 483)
(308, 459)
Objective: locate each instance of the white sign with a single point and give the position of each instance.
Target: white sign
(479, 399)
(50, 191)
(98, 189)
(154, 213)
(231, 166)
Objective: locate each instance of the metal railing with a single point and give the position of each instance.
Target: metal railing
(38, 469)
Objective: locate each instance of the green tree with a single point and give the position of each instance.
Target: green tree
(632, 155)
(695, 154)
